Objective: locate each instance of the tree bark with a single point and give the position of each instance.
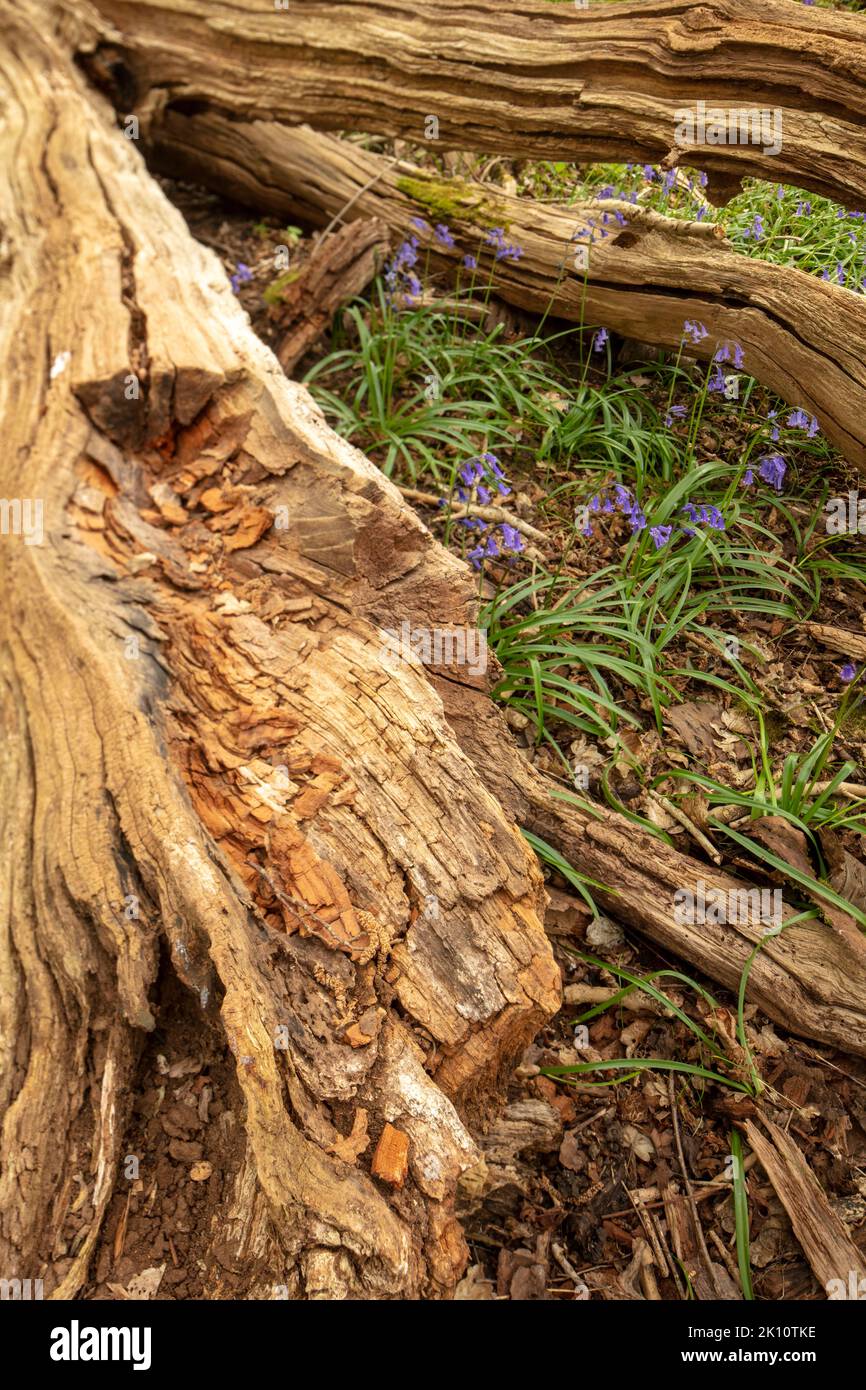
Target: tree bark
(802, 337)
(544, 81)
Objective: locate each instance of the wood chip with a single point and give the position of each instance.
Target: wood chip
(391, 1159)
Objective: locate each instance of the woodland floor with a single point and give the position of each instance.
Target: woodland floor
(572, 1156)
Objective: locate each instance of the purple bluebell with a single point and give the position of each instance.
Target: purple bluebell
(694, 331)
(661, 535)
(511, 538)
(772, 469)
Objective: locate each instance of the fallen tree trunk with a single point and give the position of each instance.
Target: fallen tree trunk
(205, 754)
(545, 81)
(802, 337)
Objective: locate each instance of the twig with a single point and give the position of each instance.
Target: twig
(727, 1258)
(697, 835)
(486, 513)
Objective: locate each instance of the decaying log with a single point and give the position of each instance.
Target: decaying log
(547, 81)
(802, 337)
(341, 266)
(208, 760)
(204, 752)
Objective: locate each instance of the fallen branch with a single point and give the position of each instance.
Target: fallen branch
(836, 1261)
(802, 337)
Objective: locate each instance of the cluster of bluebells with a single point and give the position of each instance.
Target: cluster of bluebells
(504, 250)
(482, 477)
(667, 182)
(500, 542)
(242, 276)
(619, 499)
(771, 470)
(481, 480)
(695, 332)
(772, 467)
(404, 287)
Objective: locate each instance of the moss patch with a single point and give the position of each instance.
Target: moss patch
(452, 200)
(274, 292)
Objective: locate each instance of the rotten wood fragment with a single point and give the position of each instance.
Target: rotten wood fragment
(340, 267)
(391, 1159)
(835, 1259)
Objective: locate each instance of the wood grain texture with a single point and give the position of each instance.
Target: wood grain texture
(197, 717)
(534, 79)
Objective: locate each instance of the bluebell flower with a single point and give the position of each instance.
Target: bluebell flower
(772, 469)
(470, 263)
(511, 538)
(730, 352)
(848, 671)
(695, 332)
(242, 276)
(676, 412)
(660, 535)
(599, 340)
(801, 419)
(443, 235)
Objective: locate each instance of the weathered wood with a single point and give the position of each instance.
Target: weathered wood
(802, 337)
(204, 752)
(340, 266)
(836, 1261)
(543, 80)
